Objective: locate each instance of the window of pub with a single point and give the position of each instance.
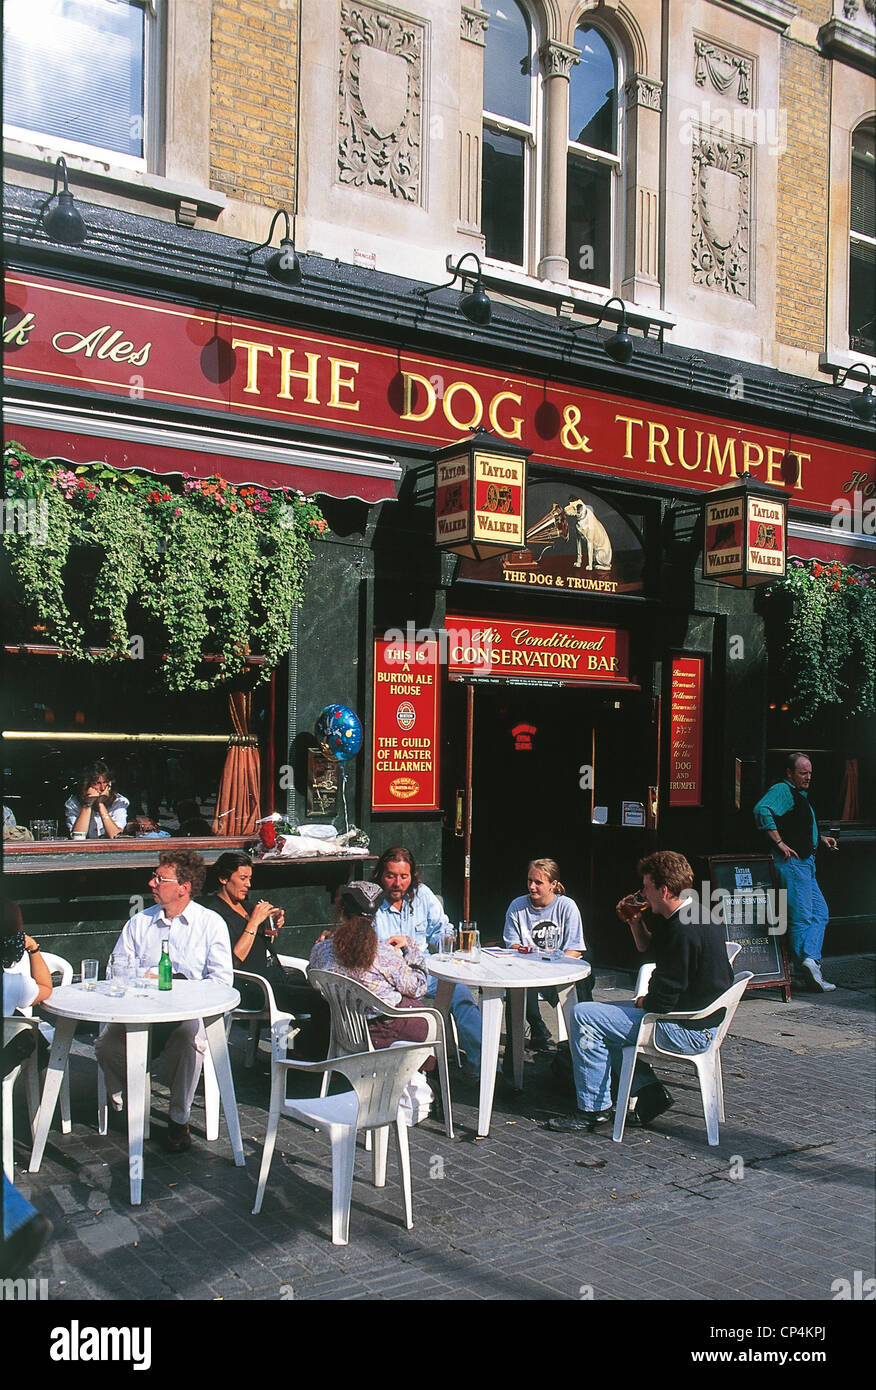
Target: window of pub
(146, 622)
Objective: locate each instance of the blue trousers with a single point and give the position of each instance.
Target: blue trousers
(468, 1020)
(599, 1033)
(807, 911)
(16, 1209)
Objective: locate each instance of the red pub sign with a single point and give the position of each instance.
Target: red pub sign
(224, 365)
(686, 731)
(405, 726)
(536, 653)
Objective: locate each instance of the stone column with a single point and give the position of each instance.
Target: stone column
(473, 28)
(557, 60)
(641, 173)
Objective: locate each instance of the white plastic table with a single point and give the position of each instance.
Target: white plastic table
(493, 974)
(137, 1011)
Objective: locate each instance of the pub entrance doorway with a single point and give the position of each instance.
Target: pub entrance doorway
(543, 761)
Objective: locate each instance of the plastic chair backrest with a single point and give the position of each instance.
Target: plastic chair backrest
(729, 1002)
(349, 1004)
(379, 1078)
(733, 949)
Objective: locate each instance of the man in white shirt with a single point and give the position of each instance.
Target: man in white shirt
(199, 949)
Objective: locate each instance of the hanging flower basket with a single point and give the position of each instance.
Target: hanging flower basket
(216, 567)
(829, 639)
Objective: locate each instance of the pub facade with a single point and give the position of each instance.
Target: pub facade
(560, 499)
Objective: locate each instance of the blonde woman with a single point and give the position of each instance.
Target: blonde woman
(544, 904)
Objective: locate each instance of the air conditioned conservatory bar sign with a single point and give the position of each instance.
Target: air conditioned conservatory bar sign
(536, 653)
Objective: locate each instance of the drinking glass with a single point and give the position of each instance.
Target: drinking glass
(551, 939)
(44, 829)
(118, 974)
(90, 971)
(447, 942)
(469, 940)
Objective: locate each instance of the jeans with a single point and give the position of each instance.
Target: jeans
(17, 1210)
(598, 1034)
(807, 911)
(468, 1020)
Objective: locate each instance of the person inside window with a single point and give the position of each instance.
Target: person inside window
(97, 811)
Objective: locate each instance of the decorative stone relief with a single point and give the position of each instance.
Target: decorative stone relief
(723, 68)
(558, 59)
(851, 8)
(644, 91)
(721, 213)
(473, 26)
(380, 101)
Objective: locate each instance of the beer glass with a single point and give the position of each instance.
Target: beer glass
(90, 971)
(447, 942)
(467, 933)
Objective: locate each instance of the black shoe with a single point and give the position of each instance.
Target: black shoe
(177, 1139)
(23, 1246)
(580, 1120)
(650, 1102)
(539, 1040)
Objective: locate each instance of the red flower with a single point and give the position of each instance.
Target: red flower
(268, 834)
(835, 584)
(817, 571)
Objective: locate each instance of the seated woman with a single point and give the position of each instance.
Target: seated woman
(97, 810)
(20, 989)
(526, 920)
(252, 930)
(396, 975)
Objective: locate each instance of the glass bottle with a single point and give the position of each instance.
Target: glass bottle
(165, 970)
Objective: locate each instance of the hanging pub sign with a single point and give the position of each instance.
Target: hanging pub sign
(405, 747)
(745, 534)
(480, 485)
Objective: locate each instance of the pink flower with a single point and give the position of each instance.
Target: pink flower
(18, 472)
(177, 511)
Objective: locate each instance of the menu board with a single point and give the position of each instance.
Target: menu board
(686, 731)
(404, 748)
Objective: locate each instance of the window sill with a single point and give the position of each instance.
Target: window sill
(133, 852)
(565, 298)
(188, 200)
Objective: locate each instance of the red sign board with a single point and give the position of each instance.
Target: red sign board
(405, 747)
(536, 653)
(125, 345)
(686, 731)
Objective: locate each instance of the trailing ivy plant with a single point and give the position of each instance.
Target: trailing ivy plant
(218, 567)
(830, 637)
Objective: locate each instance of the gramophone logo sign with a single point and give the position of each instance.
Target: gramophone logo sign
(576, 543)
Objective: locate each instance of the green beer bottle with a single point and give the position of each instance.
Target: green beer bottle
(165, 971)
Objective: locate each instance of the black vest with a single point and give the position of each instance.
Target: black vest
(795, 826)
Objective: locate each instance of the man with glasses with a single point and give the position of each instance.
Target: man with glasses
(199, 947)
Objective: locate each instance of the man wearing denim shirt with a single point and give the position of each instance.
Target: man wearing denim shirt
(788, 821)
(411, 910)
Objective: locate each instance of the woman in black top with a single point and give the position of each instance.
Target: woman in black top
(252, 930)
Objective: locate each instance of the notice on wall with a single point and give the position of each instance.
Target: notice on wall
(405, 747)
(686, 731)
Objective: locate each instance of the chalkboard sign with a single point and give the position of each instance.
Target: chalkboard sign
(747, 884)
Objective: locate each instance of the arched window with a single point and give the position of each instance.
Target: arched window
(593, 164)
(862, 249)
(509, 131)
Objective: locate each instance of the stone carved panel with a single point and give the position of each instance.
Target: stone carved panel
(721, 213)
(724, 69)
(473, 26)
(380, 101)
(644, 91)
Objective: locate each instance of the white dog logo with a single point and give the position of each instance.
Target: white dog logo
(593, 534)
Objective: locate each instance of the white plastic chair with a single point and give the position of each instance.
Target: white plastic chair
(707, 1063)
(350, 1004)
(646, 971)
(378, 1080)
(57, 965)
(27, 1068)
(267, 1012)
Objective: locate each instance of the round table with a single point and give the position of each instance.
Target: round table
(496, 972)
(137, 1010)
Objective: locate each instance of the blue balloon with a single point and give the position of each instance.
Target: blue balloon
(339, 732)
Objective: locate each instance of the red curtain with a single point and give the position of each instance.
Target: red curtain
(849, 791)
(237, 806)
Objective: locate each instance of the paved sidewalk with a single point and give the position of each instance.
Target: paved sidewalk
(780, 1211)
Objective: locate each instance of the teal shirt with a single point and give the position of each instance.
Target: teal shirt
(778, 800)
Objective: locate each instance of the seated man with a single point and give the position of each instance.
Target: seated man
(691, 970)
(411, 910)
(199, 948)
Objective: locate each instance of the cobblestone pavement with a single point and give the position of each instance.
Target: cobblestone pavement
(779, 1211)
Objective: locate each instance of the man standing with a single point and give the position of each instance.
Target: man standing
(788, 820)
(691, 970)
(199, 949)
(410, 910)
